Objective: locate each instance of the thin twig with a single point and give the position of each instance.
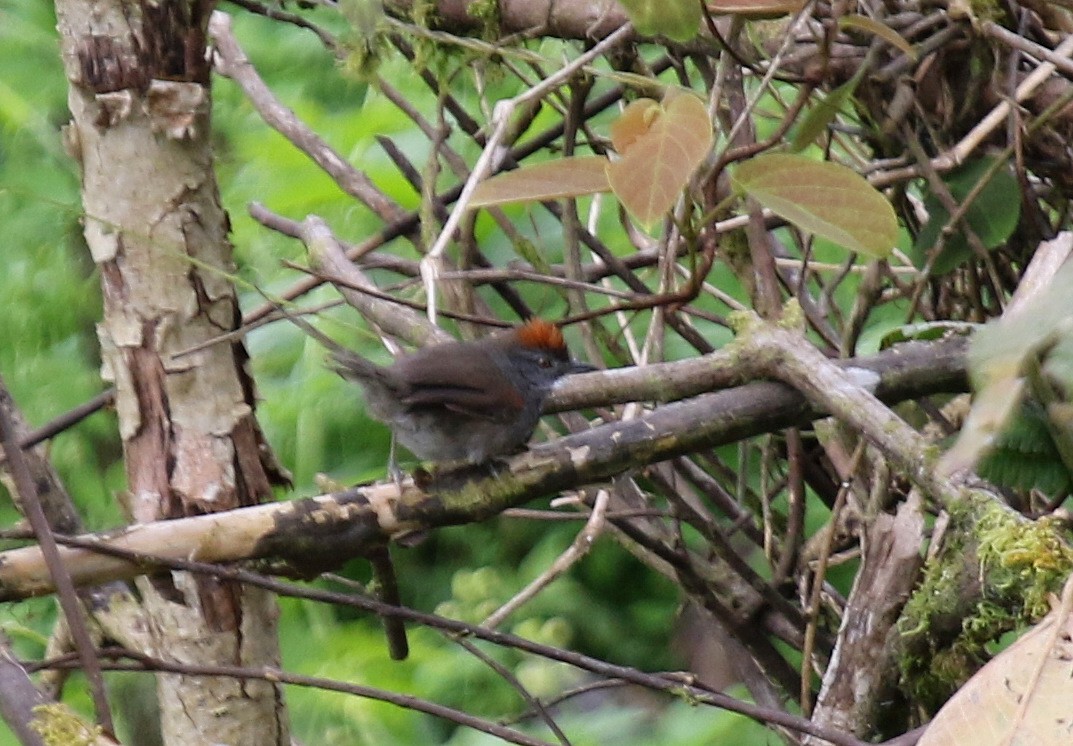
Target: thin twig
(505, 673)
(669, 683)
(578, 548)
(812, 613)
(68, 419)
(277, 14)
(275, 675)
(957, 155)
(493, 155)
(65, 589)
(231, 61)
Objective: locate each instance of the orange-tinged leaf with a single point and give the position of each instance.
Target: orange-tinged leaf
(655, 165)
(567, 177)
(755, 8)
(883, 31)
(823, 198)
(634, 121)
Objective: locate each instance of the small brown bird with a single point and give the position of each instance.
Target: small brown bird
(462, 401)
(466, 401)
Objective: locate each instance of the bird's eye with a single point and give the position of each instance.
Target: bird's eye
(544, 362)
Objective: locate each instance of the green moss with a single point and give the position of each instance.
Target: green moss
(364, 55)
(931, 455)
(986, 10)
(793, 317)
(487, 12)
(937, 597)
(480, 497)
(995, 574)
(1023, 562)
(426, 51)
(58, 726)
(444, 58)
(423, 13)
(741, 321)
(366, 42)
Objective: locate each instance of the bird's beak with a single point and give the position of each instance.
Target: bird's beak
(576, 367)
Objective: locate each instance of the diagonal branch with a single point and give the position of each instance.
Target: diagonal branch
(773, 351)
(232, 62)
(330, 529)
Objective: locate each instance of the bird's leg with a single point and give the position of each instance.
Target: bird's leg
(393, 469)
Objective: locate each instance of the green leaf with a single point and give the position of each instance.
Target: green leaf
(992, 408)
(925, 331)
(362, 15)
(1024, 456)
(823, 198)
(675, 19)
(821, 115)
(1042, 327)
(992, 216)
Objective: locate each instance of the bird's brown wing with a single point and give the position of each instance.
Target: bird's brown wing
(469, 388)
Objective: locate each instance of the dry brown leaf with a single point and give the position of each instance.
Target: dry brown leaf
(1023, 697)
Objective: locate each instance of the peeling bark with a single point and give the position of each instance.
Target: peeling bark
(140, 102)
(862, 676)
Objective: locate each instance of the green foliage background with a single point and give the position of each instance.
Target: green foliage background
(609, 606)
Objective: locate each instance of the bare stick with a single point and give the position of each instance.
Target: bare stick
(493, 154)
(232, 62)
(581, 545)
(65, 589)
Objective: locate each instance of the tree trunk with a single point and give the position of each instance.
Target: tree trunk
(140, 102)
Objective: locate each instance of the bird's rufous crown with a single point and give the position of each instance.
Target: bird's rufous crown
(542, 334)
